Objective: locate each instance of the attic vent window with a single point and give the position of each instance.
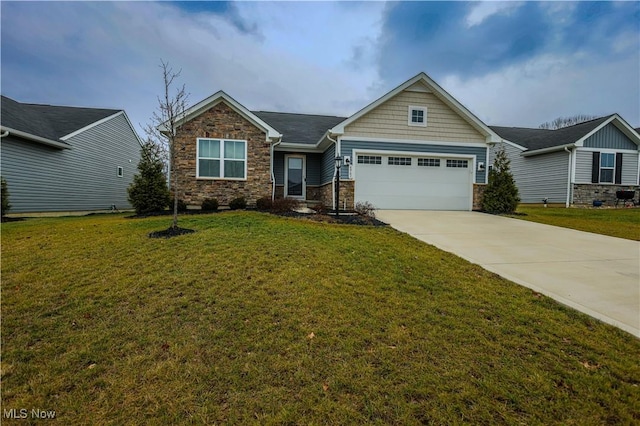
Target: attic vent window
(120, 171)
(417, 116)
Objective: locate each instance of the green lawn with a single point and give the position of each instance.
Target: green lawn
(269, 320)
(621, 222)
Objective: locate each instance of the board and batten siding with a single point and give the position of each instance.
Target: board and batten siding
(584, 162)
(390, 120)
(538, 177)
(348, 147)
(85, 177)
(610, 137)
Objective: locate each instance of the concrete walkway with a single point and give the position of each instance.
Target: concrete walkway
(595, 274)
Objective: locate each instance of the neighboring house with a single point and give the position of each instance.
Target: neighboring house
(414, 148)
(59, 158)
(573, 165)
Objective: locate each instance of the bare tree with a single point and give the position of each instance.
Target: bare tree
(561, 122)
(165, 123)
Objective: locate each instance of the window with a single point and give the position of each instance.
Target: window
(463, 164)
(400, 161)
(224, 159)
(429, 162)
(417, 116)
(369, 159)
(120, 171)
(607, 166)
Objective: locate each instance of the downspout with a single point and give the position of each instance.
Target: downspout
(335, 173)
(273, 176)
(569, 177)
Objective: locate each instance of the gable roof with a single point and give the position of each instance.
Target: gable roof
(50, 124)
(221, 96)
(438, 91)
(543, 140)
(305, 129)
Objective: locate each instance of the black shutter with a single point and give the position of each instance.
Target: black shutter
(618, 170)
(595, 168)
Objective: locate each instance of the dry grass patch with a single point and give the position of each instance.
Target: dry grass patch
(262, 319)
(621, 222)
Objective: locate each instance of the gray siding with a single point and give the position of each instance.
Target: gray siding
(584, 160)
(328, 165)
(85, 177)
(278, 167)
(314, 167)
(610, 137)
(480, 153)
(538, 177)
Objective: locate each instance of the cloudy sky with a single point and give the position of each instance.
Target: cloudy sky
(511, 63)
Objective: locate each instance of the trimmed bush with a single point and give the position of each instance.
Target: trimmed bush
(238, 203)
(501, 194)
(4, 192)
(365, 208)
(148, 192)
(182, 206)
(283, 205)
(210, 205)
(263, 204)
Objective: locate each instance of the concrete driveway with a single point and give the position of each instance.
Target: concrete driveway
(592, 273)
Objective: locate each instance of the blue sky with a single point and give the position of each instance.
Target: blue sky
(511, 63)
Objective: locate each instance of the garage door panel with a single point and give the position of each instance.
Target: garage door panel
(414, 187)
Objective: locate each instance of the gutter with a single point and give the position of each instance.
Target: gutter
(335, 173)
(50, 142)
(271, 173)
(547, 150)
(570, 151)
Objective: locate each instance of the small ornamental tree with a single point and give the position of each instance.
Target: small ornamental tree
(148, 192)
(501, 194)
(6, 206)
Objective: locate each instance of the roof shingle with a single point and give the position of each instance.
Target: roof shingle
(48, 121)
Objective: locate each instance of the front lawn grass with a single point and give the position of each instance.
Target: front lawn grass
(621, 222)
(257, 319)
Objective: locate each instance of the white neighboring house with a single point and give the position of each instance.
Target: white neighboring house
(59, 158)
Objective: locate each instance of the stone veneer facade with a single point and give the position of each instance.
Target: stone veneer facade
(222, 122)
(478, 193)
(585, 194)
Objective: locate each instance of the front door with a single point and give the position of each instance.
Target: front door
(295, 186)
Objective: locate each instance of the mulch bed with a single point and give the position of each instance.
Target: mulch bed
(171, 232)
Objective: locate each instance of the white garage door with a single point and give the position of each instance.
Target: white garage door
(414, 182)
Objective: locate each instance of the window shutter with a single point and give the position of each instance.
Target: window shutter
(618, 170)
(595, 168)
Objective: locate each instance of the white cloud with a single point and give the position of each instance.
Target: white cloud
(549, 86)
(485, 9)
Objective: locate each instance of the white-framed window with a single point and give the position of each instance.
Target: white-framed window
(607, 167)
(429, 162)
(221, 159)
(369, 159)
(463, 164)
(120, 171)
(399, 161)
(417, 116)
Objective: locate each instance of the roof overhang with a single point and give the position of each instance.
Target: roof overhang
(35, 138)
(548, 150)
(439, 92)
(213, 100)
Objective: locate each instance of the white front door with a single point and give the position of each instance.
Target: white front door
(294, 176)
